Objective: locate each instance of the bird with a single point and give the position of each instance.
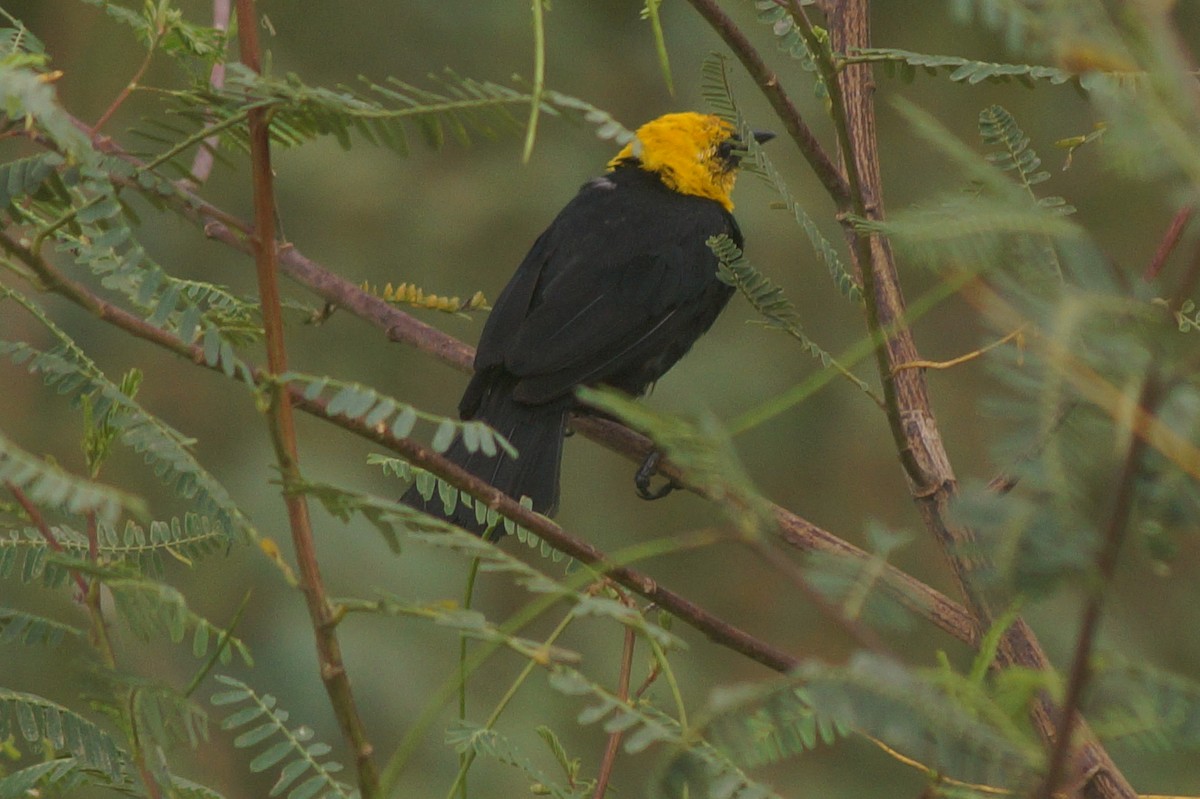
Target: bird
(613, 293)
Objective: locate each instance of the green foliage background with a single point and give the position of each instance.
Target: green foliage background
(458, 221)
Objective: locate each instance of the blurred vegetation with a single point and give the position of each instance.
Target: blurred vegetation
(138, 651)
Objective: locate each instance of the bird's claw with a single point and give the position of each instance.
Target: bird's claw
(641, 479)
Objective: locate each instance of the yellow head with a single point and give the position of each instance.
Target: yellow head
(685, 151)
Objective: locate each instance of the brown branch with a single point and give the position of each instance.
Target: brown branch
(283, 430)
(43, 527)
(202, 162)
(863, 636)
(914, 428)
(768, 81)
(1170, 241)
(1106, 566)
(125, 92)
(614, 738)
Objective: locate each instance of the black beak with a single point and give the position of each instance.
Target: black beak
(732, 149)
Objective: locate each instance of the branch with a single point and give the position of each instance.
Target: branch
(43, 527)
(1106, 566)
(915, 433)
(283, 429)
(766, 79)
(204, 159)
(614, 737)
(914, 427)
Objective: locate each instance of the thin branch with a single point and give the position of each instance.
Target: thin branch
(864, 636)
(43, 527)
(283, 430)
(202, 162)
(125, 92)
(614, 737)
(961, 359)
(1170, 241)
(539, 78)
(1106, 566)
(768, 81)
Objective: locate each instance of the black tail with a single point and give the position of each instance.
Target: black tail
(535, 431)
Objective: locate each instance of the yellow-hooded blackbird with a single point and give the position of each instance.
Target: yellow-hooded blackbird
(614, 292)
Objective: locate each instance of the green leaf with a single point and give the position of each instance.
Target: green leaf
(271, 756)
(444, 437)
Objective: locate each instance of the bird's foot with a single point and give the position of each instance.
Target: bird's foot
(647, 470)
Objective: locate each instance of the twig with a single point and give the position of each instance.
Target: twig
(864, 636)
(766, 79)
(539, 79)
(1106, 566)
(1170, 241)
(43, 527)
(125, 92)
(283, 431)
(202, 162)
(101, 638)
(460, 780)
(614, 738)
(961, 359)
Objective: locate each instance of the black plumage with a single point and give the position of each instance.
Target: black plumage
(614, 292)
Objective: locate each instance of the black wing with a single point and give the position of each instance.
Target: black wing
(615, 291)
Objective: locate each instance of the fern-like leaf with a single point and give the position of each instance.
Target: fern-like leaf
(289, 748)
(69, 370)
(487, 742)
(789, 40)
(27, 98)
(409, 294)
(767, 723)
(155, 611)
(26, 176)
(998, 128)
(769, 300)
(380, 113)
(59, 776)
(905, 63)
(701, 769)
(40, 722)
(359, 402)
(33, 630)
(1144, 708)
(718, 95)
(51, 486)
(186, 540)
(907, 711)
